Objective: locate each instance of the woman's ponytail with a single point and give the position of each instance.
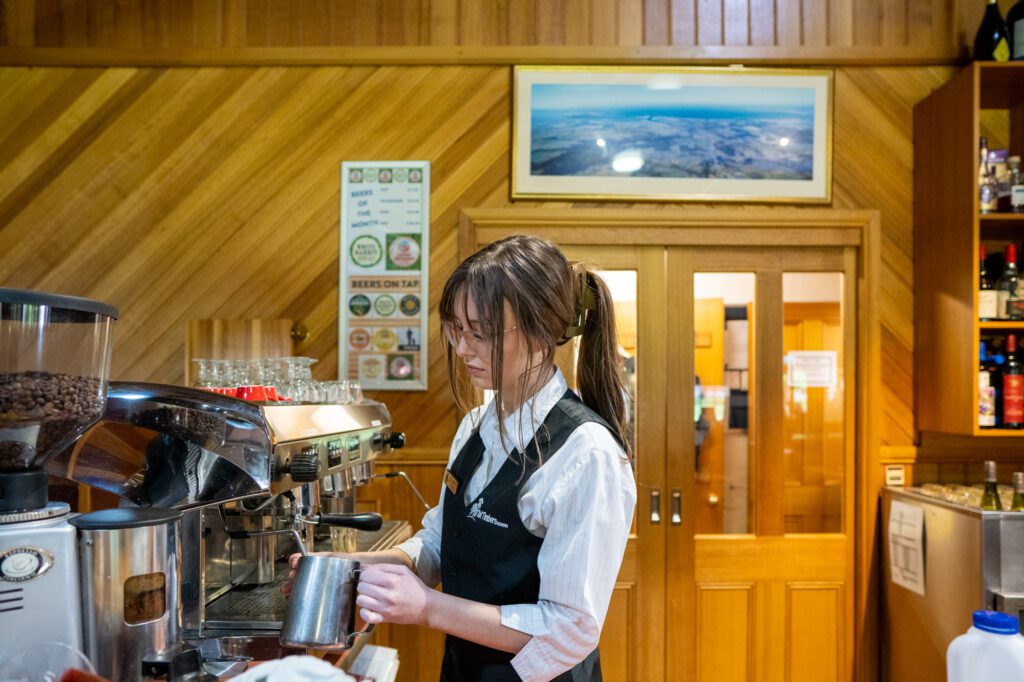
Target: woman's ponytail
(598, 372)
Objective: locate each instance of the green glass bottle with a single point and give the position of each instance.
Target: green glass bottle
(990, 497)
(1018, 491)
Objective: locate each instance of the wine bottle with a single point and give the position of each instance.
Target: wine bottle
(994, 363)
(1015, 27)
(1013, 387)
(990, 496)
(1006, 286)
(988, 301)
(986, 393)
(1016, 179)
(988, 188)
(990, 42)
(1018, 491)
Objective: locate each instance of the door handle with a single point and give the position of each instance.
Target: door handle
(677, 507)
(655, 505)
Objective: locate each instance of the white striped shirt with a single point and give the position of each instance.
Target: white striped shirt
(580, 501)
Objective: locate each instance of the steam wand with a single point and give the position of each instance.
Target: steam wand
(404, 476)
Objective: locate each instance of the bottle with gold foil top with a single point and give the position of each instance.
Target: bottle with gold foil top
(990, 496)
(1018, 491)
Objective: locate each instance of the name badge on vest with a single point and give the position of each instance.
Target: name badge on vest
(451, 482)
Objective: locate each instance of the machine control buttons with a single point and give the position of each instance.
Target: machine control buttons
(24, 563)
(353, 448)
(334, 454)
(305, 466)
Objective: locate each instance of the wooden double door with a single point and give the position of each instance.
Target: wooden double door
(743, 342)
(740, 565)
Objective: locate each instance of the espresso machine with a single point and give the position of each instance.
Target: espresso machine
(248, 480)
(214, 495)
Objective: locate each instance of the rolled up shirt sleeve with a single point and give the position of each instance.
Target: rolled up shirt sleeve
(585, 520)
(424, 548)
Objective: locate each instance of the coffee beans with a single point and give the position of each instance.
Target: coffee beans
(60, 405)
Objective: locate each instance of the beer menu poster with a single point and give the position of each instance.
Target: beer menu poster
(385, 243)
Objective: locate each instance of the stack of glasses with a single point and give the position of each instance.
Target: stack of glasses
(283, 379)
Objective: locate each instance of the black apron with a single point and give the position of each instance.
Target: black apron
(488, 555)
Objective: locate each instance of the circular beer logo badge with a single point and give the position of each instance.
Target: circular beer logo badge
(366, 251)
(409, 304)
(370, 175)
(359, 305)
(359, 339)
(385, 338)
(384, 305)
(371, 367)
(400, 367)
(401, 174)
(404, 252)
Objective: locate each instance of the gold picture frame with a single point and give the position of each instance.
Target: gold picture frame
(710, 134)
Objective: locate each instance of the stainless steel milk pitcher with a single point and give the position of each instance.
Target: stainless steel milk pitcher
(322, 608)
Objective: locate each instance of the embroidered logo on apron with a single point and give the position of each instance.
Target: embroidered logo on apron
(477, 512)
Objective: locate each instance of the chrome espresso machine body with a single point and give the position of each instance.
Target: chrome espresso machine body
(248, 478)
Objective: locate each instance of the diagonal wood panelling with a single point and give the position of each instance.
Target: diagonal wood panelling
(213, 192)
(942, 26)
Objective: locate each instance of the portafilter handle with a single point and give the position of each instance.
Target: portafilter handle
(359, 521)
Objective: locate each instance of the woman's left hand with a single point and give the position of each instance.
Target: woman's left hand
(392, 593)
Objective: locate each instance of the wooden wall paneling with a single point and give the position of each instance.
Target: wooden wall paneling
(814, 21)
(736, 22)
(942, 28)
(840, 22)
(631, 23)
(18, 23)
(683, 18)
(867, 22)
(579, 22)
(550, 19)
(762, 22)
(657, 22)
(710, 22)
(788, 30)
(894, 22)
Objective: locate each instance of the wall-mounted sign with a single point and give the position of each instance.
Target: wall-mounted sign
(385, 245)
(812, 369)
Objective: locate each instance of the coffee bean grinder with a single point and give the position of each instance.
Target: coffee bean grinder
(54, 368)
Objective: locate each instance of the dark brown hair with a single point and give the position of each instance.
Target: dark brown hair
(547, 296)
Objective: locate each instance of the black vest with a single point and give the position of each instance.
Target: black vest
(488, 555)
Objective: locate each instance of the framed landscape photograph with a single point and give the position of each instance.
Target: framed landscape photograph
(672, 134)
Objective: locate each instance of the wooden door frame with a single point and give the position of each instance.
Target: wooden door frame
(746, 226)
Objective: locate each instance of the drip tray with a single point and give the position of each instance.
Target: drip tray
(263, 607)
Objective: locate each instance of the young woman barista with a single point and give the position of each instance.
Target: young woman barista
(538, 495)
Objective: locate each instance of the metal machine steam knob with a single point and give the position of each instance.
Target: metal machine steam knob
(305, 466)
(396, 441)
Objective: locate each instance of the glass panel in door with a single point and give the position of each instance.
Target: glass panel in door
(723, 348)
(813, 401)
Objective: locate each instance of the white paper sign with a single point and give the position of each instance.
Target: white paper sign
(385, 259)
(906, 556)
(812, 369)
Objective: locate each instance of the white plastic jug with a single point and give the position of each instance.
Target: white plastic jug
(992, 649)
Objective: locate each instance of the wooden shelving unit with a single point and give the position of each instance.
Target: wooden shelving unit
(948, 230)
